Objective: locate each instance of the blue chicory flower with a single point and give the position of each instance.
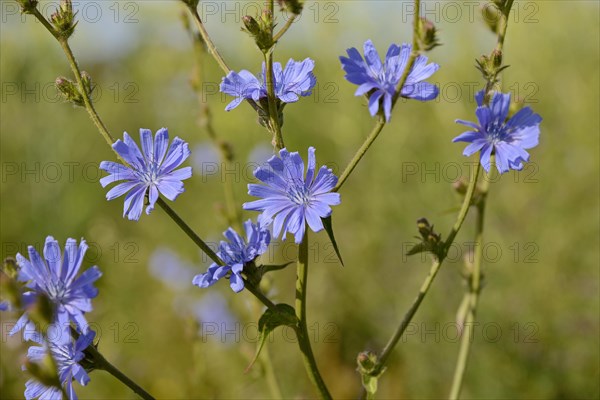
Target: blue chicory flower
(67, 357)
(55, 276)
(149, 172)
(380, 79)
(289, 199)
(235, 253)
(507, 138)
(295, 81)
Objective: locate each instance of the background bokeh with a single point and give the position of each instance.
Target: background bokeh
(539, 312)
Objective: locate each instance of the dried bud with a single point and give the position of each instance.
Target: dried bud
(293, 6)
(63, 19)
(496, 58)
(27, 6)
(69, 91)
(427, 35)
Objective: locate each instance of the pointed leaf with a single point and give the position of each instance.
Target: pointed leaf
(284, 314)
(329, 229)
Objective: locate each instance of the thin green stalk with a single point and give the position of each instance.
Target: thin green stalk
(381, 120)
(437, 263)
(102, 363)
(302, 331)
(212, 49)
(274, 125)
(472, 296)
(189, 231)
(283, 30)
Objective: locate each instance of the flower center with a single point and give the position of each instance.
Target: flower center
(298, 193)
(57, 291)
(496, 131)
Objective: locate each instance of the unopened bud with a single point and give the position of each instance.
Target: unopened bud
(460, 186)
(491, 14)
(63, 19)
(427, 35)
(27, 6)
(69, 91)
(366, 361)
(87, 82)
(191, 3)
(251, 25)
(10, 267)
(293, 6)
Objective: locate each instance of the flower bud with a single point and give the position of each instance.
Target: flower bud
(251, 25)
(88, 86)
(63, 19)
(460, 186)
(366, 361)
(27, 6)
(491, 14)
(293, 6)
(69, 91)
(427, 35)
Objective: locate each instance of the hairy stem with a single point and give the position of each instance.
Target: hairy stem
(212, 49)
(302, 331)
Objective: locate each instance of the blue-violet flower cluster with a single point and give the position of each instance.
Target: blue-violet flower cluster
(289, 199)
(67, 357)
(235, 253)
(508, 139)
(55, 276)
(292, 82)
(380, 79)
(150, 171)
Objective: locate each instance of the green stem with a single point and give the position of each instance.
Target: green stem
(381, 120)
(189, 231)
(472, 296)
(275, 128)
(302, 330)
(102, 363)
(212, 49)
(435, 267)
(283, 30)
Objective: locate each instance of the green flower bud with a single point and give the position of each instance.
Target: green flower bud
(27, 6)
(293, 6)
(63, 19)
(427, 35)
(366, 361)
(10, 267)
(69, 91)
(251, 25)
(491, 14)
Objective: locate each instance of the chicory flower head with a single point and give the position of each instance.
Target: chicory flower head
(507, 138)
(379, 79)
(290, 199)
(292, 82)
(235, 253)
(150, 171)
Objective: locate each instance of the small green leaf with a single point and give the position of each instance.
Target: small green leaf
(417, 248)
(329, 229)
(284, 314)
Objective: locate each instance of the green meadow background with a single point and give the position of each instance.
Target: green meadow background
(538, 327)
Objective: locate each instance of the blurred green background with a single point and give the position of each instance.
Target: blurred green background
(538, 332)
